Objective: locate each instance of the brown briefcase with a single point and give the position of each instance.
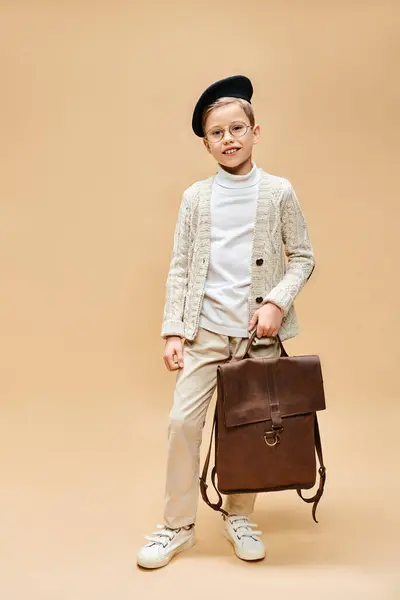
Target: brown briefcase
(266, 427)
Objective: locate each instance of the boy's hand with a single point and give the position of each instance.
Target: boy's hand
(173, 353)
(269, 318)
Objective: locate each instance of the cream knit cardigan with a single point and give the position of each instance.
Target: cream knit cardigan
(280, 227)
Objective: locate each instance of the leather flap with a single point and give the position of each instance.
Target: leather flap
(247, 385)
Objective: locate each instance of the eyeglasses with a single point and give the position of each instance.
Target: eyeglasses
(237, 129)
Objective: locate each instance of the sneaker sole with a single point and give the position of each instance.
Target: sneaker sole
(242, 554)
(162, 563)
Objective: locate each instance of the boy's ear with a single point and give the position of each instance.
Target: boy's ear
(256, 134)
(207, 145)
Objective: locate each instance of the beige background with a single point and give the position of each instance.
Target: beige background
(96, 149)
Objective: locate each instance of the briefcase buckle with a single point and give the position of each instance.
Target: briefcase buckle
(272, 438)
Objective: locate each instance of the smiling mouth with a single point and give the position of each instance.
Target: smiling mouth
(231, 152)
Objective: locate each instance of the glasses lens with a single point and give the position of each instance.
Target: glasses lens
(238, 129)
(215, 135)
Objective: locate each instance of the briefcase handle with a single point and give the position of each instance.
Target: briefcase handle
(251, 339)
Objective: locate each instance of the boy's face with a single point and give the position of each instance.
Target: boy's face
(219, 120)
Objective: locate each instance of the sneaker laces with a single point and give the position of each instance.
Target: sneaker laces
(245, 526)
(160, 537)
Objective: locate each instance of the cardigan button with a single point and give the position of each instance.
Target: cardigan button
(259, 261)
(259, 299)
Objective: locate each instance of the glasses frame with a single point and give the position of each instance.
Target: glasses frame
(229, 128)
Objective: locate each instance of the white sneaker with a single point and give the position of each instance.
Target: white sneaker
(164, 544)
(239, 532)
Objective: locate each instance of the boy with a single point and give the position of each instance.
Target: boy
(227, 275)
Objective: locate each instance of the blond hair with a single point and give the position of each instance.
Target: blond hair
(246, 106)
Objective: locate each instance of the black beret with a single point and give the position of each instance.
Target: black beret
(237, 86)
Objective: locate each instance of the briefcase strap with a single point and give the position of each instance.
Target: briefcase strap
(251, 338)
(203, 485)
(217, 505)
(321, 471)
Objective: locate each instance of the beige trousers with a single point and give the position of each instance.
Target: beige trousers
(195, 385)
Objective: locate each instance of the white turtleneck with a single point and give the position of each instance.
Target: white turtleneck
(233, 210)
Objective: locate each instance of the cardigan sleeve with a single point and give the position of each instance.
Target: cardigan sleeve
(298, 249)
(177, 279)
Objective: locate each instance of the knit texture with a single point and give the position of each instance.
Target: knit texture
(280, 228)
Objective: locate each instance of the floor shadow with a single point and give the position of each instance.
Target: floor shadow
(346, 535)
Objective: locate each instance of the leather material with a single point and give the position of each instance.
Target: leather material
(245, 383)
(266, 427)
